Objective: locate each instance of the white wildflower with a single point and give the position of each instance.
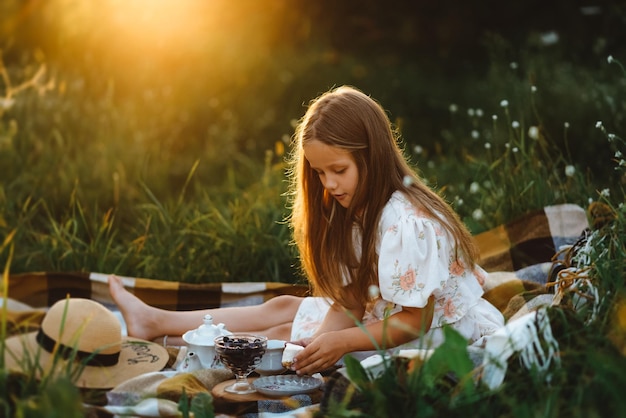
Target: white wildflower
(599, 124)
(479, 113)
(475, 134)
(487, 145)
(618, 154)
(418, 149)
(494, 117)
(474, 188)
(453, 108)
(515, 124)
(515, 149)
(513, 65)
(611, 137)
(549, 38)
(566, 125)
(570, 170)
(590, 200)
(373, 291)
(533, 132)
(504, 103)
(470, 112)
(478, 214)
(6, 103)
(609, 59)
(407, 181)
(605, 193)
(533, 89)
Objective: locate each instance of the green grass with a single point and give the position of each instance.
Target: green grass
(164, 183)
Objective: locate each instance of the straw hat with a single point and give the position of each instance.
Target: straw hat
(90, 335)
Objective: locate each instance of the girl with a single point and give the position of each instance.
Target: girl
(374, 241)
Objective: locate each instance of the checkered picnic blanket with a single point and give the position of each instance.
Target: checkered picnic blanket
(531, 239)
(45, 288)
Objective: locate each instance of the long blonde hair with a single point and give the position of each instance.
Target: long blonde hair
(323, 230)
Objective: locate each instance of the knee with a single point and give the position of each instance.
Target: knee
(285, 302)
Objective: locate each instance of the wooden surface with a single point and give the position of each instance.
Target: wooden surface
(220, 394)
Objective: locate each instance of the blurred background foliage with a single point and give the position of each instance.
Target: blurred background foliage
(152, 138)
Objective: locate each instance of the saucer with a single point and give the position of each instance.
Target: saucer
(286, 385)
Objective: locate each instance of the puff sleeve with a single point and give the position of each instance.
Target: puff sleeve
(416, 259)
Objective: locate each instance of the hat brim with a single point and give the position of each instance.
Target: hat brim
(23, 353)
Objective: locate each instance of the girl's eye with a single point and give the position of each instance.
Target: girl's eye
(340, 171)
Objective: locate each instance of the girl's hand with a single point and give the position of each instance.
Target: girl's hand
(319, 354)
(302, 342)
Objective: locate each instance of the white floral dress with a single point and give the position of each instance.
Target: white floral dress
(416, 259)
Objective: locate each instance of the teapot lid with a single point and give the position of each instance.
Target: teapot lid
(205, 334)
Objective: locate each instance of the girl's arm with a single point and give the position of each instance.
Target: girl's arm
(339, 335)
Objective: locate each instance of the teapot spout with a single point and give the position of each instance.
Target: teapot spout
(190, 363)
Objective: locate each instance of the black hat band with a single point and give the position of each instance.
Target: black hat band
(92, 359)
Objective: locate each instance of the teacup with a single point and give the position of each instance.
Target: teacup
(271, 363)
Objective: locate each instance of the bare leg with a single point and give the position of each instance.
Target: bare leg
(272, 318)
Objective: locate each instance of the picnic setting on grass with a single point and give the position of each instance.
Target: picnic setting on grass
(135, 377)
(311, 209)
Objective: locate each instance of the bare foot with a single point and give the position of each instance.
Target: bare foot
(139, 316)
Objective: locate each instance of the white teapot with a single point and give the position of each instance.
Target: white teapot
(202, 342)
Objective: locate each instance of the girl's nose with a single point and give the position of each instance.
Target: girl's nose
(330, 183)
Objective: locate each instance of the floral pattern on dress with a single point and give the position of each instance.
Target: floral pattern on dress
(417, 260)
(457, 267)
(309, 317)
(407, 281)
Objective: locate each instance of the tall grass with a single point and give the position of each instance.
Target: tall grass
(209, 240)
(89, 186)
(525, 137)
(28, 393)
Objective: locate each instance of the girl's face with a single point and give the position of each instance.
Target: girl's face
(336, 169)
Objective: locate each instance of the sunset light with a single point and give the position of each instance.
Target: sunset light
(156, 34)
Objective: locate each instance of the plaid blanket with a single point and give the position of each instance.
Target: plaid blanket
(45, 288)
(531, 239)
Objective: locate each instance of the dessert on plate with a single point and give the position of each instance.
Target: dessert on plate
(290, 351)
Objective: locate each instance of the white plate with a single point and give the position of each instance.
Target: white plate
(286, 385)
